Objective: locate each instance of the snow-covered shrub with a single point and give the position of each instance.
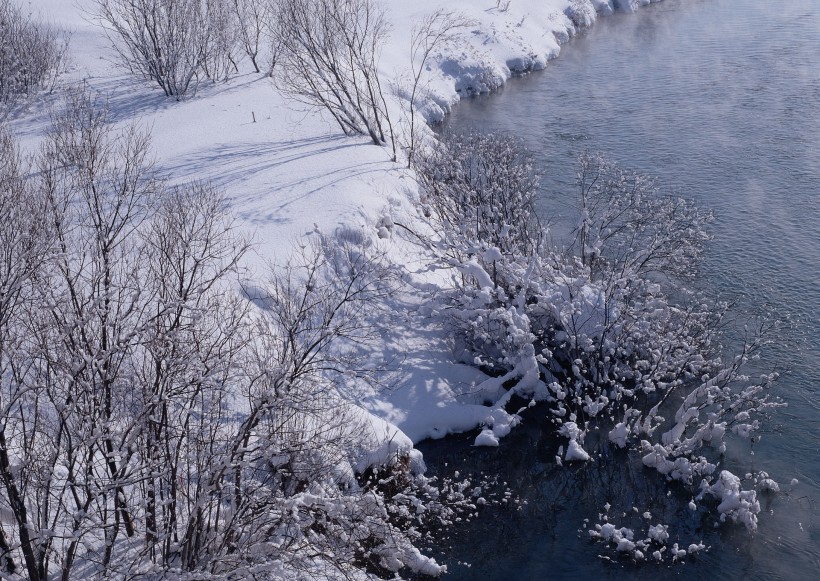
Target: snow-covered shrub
(604, 330)
(626, 227)
(653, 547)
(427, 509)
(328, 54)
(31, 54)
(173, 43)
(480, 191)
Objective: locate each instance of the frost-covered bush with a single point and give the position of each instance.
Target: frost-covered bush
(173, 43)
(480, 192)
(31, 54)
(603, 330)
(654, 547)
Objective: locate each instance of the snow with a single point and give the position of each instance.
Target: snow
(386, 442)
(290, 175)
(658, 533)
(486, 438)
(625, 541)
(575, 452)
(620, 537)
(767, 484)
(741, 506)
(619, 434)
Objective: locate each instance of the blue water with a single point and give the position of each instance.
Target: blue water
(721, 100)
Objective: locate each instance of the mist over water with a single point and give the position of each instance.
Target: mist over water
(720, 99)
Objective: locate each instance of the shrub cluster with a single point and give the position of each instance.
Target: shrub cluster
(31, 55)
(178, 43)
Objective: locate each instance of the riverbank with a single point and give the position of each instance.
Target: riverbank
(289, 175)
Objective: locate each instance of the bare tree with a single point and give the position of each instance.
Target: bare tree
(69, 389)
(222, 44)
(171, 42)
(295, 438)
(24, 252)
(254, 27)
(328, 57)
(433, 32)
(99, 189)
(187, 353)
(116, 343)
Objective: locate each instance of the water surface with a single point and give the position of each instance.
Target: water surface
(721, 100)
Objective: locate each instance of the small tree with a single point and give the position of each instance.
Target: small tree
(128, 344)
(188, 361)
(328, 56)
(434, 31)
(25, 250)
(99, 188)
(223, 35)
(281, 488)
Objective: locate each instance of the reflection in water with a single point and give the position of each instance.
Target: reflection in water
(721, 100)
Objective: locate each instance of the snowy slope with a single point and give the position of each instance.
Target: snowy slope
(288, 172)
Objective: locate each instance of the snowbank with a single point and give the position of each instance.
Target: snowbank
(289, 174)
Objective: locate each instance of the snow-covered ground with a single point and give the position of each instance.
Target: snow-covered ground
(288, 171)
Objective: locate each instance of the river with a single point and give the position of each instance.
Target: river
(720, 99)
